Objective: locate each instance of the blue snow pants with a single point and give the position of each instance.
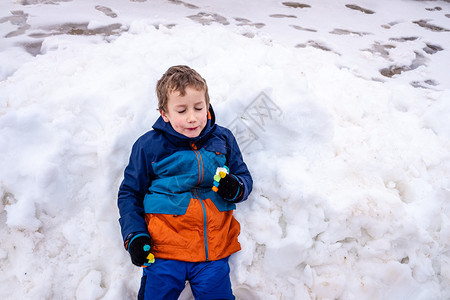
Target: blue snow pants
(166, 279)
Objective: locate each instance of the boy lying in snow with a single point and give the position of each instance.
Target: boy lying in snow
(170, 204)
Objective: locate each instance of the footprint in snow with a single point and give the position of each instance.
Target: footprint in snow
(106, 10)
(356, 7)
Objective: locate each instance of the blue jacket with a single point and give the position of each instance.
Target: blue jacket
(167, 169)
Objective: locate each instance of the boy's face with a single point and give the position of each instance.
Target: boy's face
(187, 114)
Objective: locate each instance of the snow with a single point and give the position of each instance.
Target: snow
(351, 168)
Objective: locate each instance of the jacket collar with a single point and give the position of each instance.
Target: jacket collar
(178, 139)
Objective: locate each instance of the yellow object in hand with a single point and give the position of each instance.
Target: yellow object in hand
(220, 173)
(150, 258)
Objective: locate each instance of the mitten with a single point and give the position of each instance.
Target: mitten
(227, 185)
(139, 249)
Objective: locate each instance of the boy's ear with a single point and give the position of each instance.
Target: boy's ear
(164, 115)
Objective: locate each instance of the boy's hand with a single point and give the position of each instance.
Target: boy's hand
(139, 249)
(227, 185)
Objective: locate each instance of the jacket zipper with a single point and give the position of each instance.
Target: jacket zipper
(205, 223)
(200, 179)
(205, 227)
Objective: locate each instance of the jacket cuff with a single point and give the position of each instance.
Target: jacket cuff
(131, 237)
(240, 192)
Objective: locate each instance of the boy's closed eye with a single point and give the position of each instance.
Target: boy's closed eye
(180, 108)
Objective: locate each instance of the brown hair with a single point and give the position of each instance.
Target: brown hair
(178, 78)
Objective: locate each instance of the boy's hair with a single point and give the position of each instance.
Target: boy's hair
(178, 78)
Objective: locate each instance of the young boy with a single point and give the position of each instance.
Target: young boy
(170, 201)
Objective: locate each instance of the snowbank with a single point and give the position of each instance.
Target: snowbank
(351, 175)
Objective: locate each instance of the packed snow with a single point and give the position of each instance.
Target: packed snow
(341, 109)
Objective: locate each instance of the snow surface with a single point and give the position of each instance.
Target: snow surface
(341, 109)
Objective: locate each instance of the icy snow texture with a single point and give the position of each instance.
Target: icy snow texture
(351, 168)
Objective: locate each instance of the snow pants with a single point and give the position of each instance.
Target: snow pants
(166, 279)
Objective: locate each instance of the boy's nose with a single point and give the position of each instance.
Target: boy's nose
(191, 117)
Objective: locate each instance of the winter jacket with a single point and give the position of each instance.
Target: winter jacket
(166, 192)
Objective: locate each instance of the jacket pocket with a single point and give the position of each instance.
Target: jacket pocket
(177, 231)
(165, 231)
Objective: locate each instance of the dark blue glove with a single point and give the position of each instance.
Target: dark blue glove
(139, 249)
(228, 186)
